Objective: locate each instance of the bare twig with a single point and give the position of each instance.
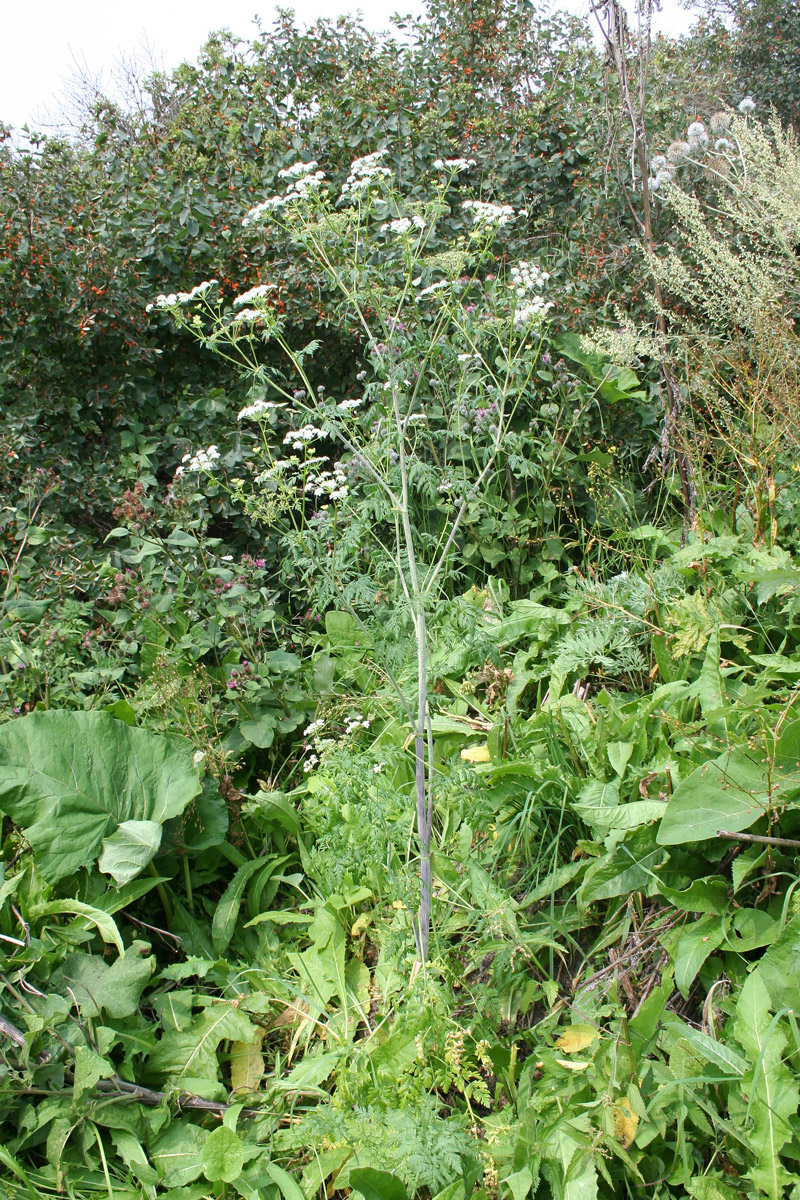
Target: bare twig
(760, 838)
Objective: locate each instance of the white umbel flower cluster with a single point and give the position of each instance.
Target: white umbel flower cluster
(201, 460)
(298, 170)
(257, 410)
(299, 438)
(305, 180)
(329, 484)
(527, 282)
(433, 287)
(182, 298)
(747, 106)
(255, 293)
(484, 213)
(454, 164)
(365, 173)
(402, 225)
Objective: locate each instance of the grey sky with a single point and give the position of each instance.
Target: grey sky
(41, 43)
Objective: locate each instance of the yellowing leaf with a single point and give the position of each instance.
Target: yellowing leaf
(577, 1037)
(247, 1065)
(476, 754)
(626, 1122)
(360, 924)
(577, 1064)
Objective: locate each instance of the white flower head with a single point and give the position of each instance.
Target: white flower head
(678, 150)
(454, 165)
(434, 287)
(256, 410)
(298, 170)
(696, 136)
(255, 293)
(365, 172)
(486, 214)
(400, 225)
(747, 105)
(201, 460)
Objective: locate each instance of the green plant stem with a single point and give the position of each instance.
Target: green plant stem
(162, 895)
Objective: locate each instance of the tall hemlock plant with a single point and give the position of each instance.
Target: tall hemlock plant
(450, 350)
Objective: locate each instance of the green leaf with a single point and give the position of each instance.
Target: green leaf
(89, 1069)
(619, 754)
(177, 1153)
(709, 687)
(132, 1154)
(627, 868)
(779, 969)
(14, 1167)
(718, 1054)
(115, 989)
(71, 779)
(729, 793)
(103, 923)
(260, 731)
(122, 710)
(223, 1156)
(129, 849)
(377, 1185)
(289, 1189)
(695, 943)
(193, 1053)
(205, 822)
(227, 911)
(769, 1085)
(703, 896)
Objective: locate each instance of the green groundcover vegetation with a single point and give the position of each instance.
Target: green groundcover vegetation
(400, 618)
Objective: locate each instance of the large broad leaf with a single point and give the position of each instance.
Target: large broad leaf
(733, 791)
(84, 785)
(730, 793)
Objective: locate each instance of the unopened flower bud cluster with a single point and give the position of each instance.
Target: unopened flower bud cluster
(664, 168)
